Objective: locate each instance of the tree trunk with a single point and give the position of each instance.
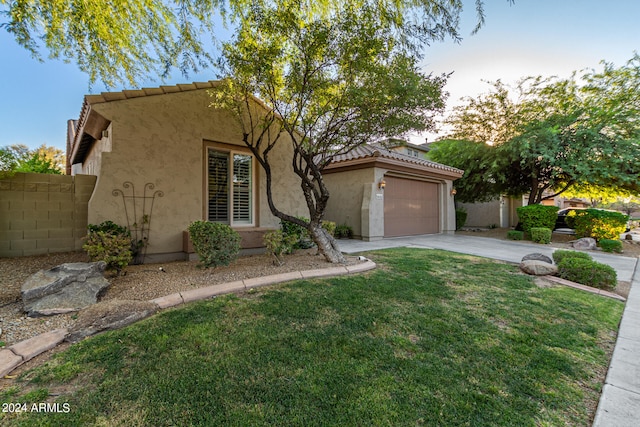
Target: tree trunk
(327, 245)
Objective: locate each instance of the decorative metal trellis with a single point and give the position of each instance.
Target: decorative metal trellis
(139, 226)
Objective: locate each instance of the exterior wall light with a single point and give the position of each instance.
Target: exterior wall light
(382, 184)
(453, 191)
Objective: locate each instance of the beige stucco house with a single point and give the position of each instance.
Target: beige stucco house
(165, 153)
(405, 147)
(164, 158)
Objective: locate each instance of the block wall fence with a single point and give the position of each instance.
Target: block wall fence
(43, 213)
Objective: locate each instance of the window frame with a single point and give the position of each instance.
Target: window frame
(230, 151)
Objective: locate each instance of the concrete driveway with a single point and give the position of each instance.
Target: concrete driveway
(504, 250)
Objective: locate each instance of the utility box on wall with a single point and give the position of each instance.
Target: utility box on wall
(43, 213)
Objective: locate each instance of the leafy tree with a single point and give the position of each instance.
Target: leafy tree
(331, 84)
(597, 196)
(19, 158)
(115, 41)
(551, 135)
(478, 162)
(121, 42)
(628, 205)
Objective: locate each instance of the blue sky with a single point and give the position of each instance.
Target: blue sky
(530, 37)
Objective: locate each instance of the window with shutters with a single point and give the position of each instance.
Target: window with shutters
(230, 187)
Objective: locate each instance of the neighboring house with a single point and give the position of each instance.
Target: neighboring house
(382, 193)
(164, 158)
(404, 147)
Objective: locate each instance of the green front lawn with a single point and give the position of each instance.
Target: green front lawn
(429, 338)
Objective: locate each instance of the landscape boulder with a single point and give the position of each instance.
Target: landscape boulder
(538, 268)
(537, 257)
(109, 315)
(64, 288)
(584, 244)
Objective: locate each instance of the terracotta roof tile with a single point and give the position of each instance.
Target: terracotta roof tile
(377, 150)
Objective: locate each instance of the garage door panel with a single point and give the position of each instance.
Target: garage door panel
(410, 207)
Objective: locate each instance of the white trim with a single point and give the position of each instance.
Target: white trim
(253, 189)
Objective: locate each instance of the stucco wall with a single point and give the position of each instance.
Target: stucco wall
(500, 212)
(161, 140)
(482, 214)
(346, 194)
(357, 200)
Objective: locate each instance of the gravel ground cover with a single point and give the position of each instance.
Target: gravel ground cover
(140, 282)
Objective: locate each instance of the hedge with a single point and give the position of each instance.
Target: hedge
(561, 254)
(534, 216)
(600, 224)
(515, 235)
(587, 272)
(609, 245)
(540, 235)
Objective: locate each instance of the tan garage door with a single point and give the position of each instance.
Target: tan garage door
(410, 207)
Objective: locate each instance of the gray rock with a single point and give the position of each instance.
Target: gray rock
(538, 268)
(109, 315)
(585, 244)
(65, 288)
(537, 257)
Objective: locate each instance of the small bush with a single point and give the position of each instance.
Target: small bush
(540, 235)
(560, 254)
(216, 244)
(461, 218)
(278, 244)
(570, 219)
(609, 245)
(302, 238)
(537, 216)
(343, 231)
(600, 224)
(515, 235)
(330, 226)
(588, 273)
(110, 243)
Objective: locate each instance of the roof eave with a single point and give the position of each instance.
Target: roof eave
(388, 163)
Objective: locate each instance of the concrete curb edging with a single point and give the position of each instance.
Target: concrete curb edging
(584, 288)
(19, 353)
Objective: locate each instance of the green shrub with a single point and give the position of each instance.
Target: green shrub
(343, 231)
(609, 245)
(461, 218)
(600, 224)
(330, 226)
(302, 238)
(278, 244)
(110, 243)
(216, 244)
(537, 216)
(109, 227)
(560, 254)
(570, 219)
(540, 235)
(588, 272)
(515, 235)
